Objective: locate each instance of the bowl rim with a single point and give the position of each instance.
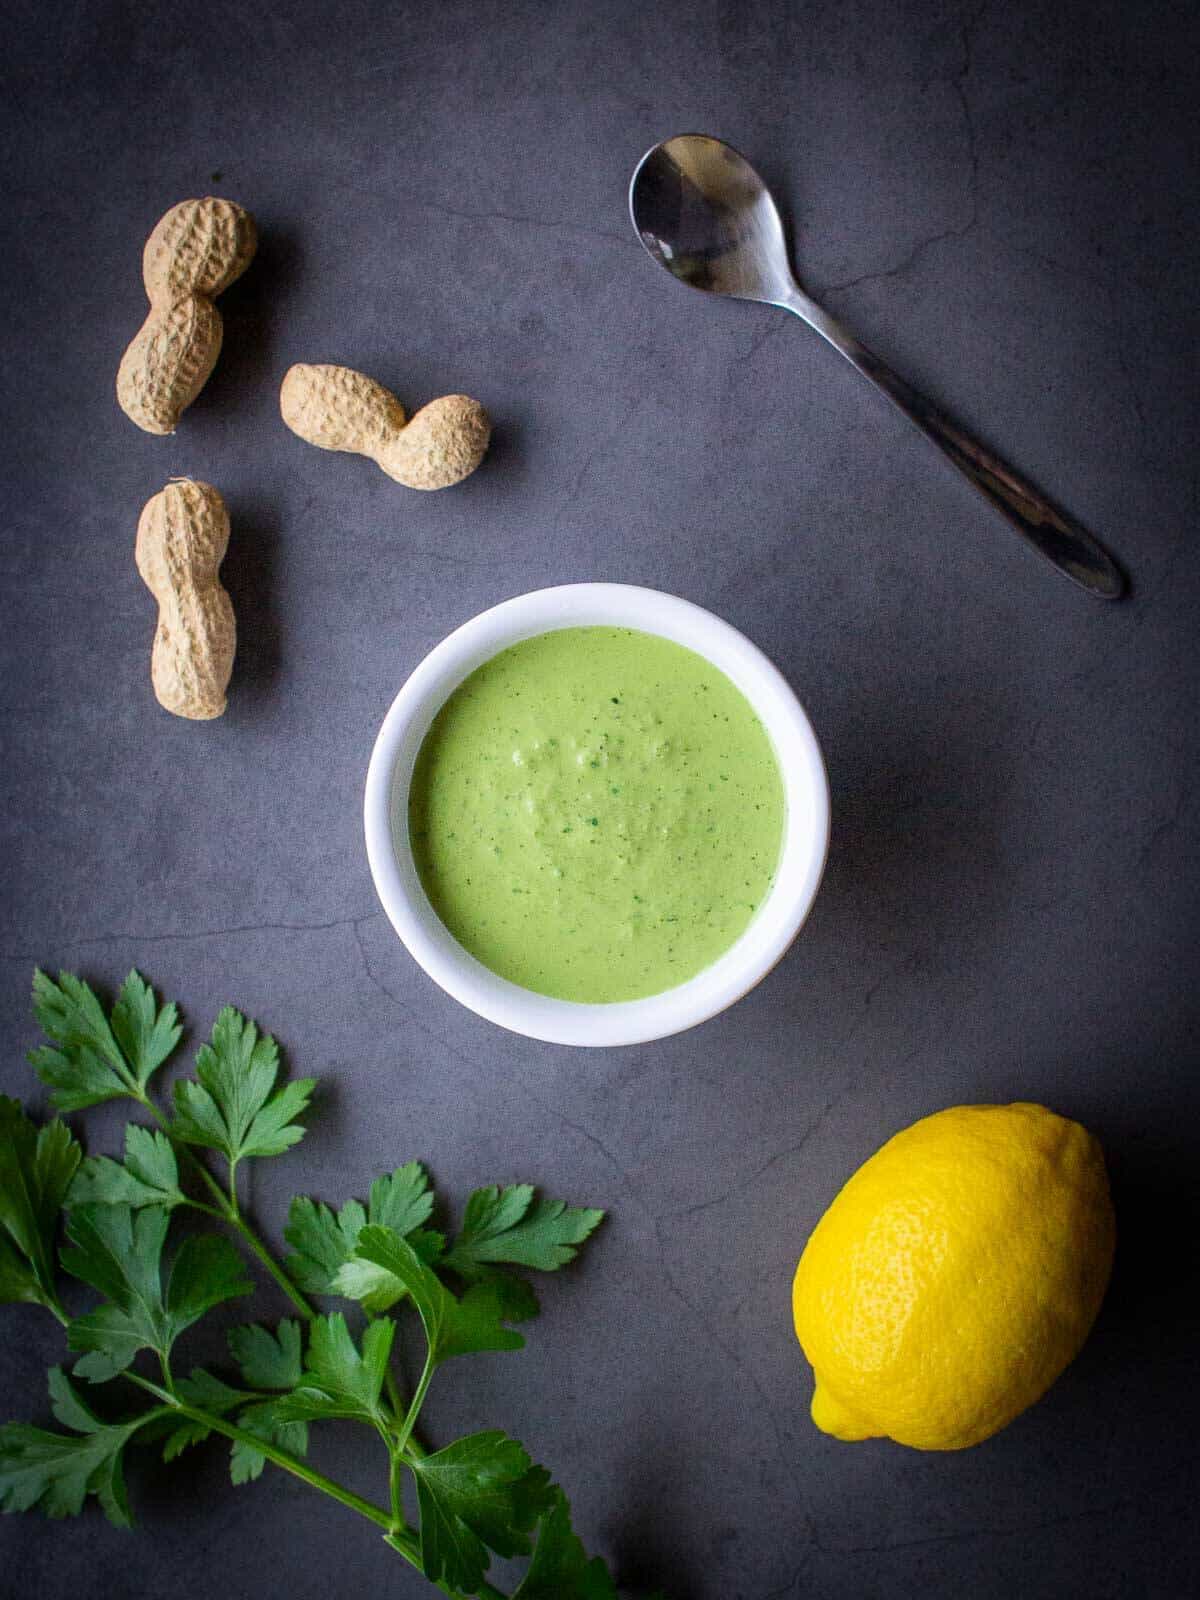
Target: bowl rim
(774, 925)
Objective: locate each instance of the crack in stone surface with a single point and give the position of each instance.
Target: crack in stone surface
(481, 563)
(1024, 1530)
(546, 223)
(731, 1355)
(596, 1143)
(421, 1027)
(1135, 398)
(1163, 830)
(758, 341)
(780, 1155)
(1113, 325)
(512, 219)
(960, 230)
(847, 1089)
(790, 1585)
(477, 1070)
(597, 453)
(187, 934)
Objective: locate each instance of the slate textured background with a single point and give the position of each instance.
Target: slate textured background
(996, 198)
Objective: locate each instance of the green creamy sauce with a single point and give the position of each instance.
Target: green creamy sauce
(596, 813)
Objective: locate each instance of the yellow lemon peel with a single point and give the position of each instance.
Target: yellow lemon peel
(955, 1276)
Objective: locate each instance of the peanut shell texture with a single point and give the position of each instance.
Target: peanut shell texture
(182, 536)
(336, 408)
(194, 252)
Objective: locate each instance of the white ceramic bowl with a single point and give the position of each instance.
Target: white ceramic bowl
(773, 927)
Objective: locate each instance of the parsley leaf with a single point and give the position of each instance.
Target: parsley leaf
(268, 1363)
(320, 1240)
(513, 1295)
(232, 1108)
(324, 1242)
(119, 1251)
(453, 1327)
(560, 1569)
(337, 1380)
(183, 1436)
(146, 1035)
(96, 1060)
(57, 1471)
(478, 1494)
(374, 1286)
(246, 1463)
(149, 1176)
(509, 1225)
(209, 1394)
(206, 1271)
(268, 1360)
(401, 1200)
(200, 1388)
(36, 1169)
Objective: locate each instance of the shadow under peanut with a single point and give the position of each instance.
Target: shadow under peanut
(250, 573)
(246, 375)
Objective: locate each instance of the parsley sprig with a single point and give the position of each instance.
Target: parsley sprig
(479, 1496)
(231, 1107)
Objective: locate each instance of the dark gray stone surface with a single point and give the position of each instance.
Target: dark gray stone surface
(999, 198)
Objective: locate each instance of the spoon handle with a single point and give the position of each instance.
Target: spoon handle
(1062, 541)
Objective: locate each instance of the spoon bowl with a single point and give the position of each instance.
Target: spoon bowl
(705, 215)
(702, 212)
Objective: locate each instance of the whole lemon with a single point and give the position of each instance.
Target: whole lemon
(955, 1276)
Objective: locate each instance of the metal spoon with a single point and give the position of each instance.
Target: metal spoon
(703, 212)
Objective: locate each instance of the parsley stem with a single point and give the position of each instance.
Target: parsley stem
(193, 1160)
(150, 1388)
(393, 1392)
(298, 1469)
(415, 1404)
(54, 1306)
(259, 1249)
(228, 1211)
(395, 1465)
(399, 1535)
(400, 1543)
